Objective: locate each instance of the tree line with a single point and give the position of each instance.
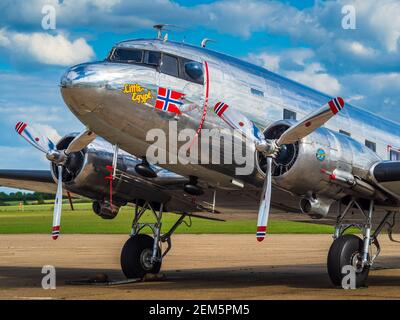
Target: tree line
(24, 197)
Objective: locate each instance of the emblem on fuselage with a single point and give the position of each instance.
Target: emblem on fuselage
(320, 154)
(138, 93)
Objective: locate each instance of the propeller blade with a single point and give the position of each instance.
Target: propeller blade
(265, 203)
(36, 139)
(81, 141)
(57, 206)
(311, 122)
(236, 120)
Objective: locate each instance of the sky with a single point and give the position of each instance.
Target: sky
(302, 40)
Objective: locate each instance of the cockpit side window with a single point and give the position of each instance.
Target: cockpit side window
(169, 65)
(193, 71)
(152, 58)
(172, 65)
(127, 55)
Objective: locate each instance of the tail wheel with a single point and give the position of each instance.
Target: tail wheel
(136, 257)
(346, 250)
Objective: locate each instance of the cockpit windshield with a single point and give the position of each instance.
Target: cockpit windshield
(129, 56)
(164, 62)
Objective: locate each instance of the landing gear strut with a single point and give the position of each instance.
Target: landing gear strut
(142, 253)
(351, 250)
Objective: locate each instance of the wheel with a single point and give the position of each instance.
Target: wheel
(136, 257)
(346, 250)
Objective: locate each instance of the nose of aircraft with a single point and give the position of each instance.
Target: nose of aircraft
(80, 74)
(79, 85)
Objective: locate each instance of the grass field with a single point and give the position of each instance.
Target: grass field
(38, 219)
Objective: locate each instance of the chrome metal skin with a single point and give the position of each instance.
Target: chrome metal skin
(323, 166)
(87, 177)
(340, 152)
(93, 92)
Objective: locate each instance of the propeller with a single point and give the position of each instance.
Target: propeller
(271, 147)
(58, 157)
(80, 141)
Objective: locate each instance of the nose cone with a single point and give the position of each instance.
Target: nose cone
(77, 75)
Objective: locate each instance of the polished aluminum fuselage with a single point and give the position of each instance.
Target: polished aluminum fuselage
(93, 92)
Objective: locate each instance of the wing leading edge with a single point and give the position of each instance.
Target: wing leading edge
(35, 180)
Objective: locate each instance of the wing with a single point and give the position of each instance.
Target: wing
(35, 180)
(238, 203)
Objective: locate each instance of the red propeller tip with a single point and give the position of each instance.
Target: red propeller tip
(259, 239)
(20, 126)
(341, 101)
(55, 237)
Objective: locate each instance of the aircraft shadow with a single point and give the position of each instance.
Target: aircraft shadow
(310, 276)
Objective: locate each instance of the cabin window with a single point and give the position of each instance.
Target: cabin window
(169, 65)
(394, 155)
(257, 92)
(289, 115)
(152, 58)
(193, 71)
(345, 133)
(371, 145)
(127, 55)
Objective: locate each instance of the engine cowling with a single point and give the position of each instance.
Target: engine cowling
(307, 168)
(85, 171)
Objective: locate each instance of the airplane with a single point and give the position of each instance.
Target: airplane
(312, 153)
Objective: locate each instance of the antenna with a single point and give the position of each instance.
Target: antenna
(159, 28)
(204, 42)
(163, 26)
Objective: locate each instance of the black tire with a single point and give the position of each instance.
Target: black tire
(135, 250)
(341, 253)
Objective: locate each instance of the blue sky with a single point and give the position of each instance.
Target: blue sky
(303, 40)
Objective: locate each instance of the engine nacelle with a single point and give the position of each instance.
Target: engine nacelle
(85, 171)
(316, 207)
(306, 168)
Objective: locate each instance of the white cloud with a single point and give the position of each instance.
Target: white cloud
(48, 132)
(299, 55)
(359, 49)
(383, 20)
(268, 61)
(46, 48)
(315, 76)
(378, 92)
(301, 65)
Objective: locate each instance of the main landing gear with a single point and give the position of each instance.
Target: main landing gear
(142, 254)
(348, 249)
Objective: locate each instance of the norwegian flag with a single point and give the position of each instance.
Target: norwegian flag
(169, 100)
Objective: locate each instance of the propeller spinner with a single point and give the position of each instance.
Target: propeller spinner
(271, 147)
(58, 157)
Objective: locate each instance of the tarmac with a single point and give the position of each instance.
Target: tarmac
(198, 267)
